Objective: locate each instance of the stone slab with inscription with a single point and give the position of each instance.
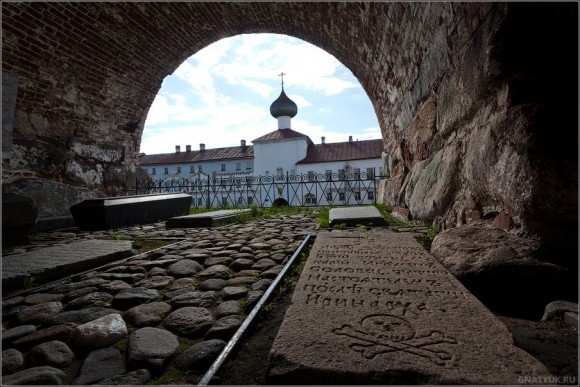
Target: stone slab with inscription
(206, 219)
(374, 307)
(354, 216)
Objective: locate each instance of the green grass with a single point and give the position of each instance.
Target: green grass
(121, 345)
(322, 217)
(257, 212)
(391, 220)
(29, 282)
(185, 343)
(197, 281)
(174, 377)
(148, 243)
(427, 239)
(117, 235)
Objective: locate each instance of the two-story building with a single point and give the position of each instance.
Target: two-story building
(282, 164)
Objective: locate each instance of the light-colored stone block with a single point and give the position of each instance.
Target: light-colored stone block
(373, 307)
(354, 216)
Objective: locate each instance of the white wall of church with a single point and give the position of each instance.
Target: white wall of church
(270, 156)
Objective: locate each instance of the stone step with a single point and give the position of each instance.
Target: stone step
(206, 219)
(51, 263)
(53, 223)
(354, 216)
(374, 307)
(115, 212)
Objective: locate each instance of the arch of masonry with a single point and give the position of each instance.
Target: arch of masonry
(477, 102)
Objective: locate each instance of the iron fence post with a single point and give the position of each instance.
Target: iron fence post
(287, 187)
(374, 185)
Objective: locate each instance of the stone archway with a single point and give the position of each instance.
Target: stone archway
(87, 73)
(465, 94)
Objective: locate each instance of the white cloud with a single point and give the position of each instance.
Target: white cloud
(300, 101)
(204, 113)
(200, 79)
(370, 134)
(307, 66)
(168, 108)
(264, 89)
(213, 125)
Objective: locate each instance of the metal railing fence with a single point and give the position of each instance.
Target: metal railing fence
(310, 189)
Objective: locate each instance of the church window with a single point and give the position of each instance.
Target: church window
(329, 197)
(238, 166)
(166, 171)
(153, 171)
(309, 199)
(370, 173)
(223, 167)
(192, 169)
(341, 196)
(199, 169)
(178, 169)
(249, 165)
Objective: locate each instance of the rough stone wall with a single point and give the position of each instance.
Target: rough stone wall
(87, 73)
(493, 135)
(467, 94)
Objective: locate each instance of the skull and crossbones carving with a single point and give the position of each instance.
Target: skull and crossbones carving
(384, 333)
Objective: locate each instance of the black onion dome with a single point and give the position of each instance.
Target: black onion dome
(283, 106)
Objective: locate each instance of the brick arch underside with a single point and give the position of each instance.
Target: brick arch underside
(463, 114)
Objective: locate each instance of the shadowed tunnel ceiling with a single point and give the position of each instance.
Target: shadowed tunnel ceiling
(466, 95)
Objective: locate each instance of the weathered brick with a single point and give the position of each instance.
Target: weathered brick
(116, 55)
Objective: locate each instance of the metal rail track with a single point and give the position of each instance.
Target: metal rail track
(236, 338)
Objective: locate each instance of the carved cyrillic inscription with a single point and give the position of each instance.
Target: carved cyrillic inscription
(372, 304)
(365, 274)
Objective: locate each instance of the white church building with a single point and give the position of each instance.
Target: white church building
(283, 164)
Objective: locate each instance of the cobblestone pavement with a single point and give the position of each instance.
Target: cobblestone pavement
(169, 311)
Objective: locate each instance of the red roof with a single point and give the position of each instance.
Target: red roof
(236, 152)
(281, 134)
(343, 151)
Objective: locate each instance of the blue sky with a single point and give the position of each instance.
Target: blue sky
(223, 93)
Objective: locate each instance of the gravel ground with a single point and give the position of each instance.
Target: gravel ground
(159, 317)
(212, 277)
